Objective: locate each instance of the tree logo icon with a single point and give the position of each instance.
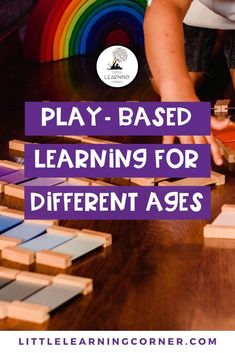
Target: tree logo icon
(119, 55)
(117, 66)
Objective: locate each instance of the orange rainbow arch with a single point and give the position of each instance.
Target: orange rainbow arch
(59, 29)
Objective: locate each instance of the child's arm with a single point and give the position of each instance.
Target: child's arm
(164, 41)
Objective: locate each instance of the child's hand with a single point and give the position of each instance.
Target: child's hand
(215, 150)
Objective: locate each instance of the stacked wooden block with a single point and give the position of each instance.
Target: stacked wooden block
(223, 226)
(44, 242)
(221, 107)
(31, 296)
(226, 140)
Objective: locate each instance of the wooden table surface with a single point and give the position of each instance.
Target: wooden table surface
(158, 275)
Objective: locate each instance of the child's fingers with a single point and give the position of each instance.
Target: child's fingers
(200, 140)
(219, 124)
(186, 139)
(215, 150)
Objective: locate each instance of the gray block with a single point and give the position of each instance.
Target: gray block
(4, 281)
(18, 290)
(54, 295)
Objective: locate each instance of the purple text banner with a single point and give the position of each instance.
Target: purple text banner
(124, 203)
(124, 160)
(117, 118)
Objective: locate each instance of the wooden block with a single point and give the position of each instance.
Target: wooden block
(221, 107)
(188, 182)
(30, 277)
(79, 246)
(120, 181)
(100, 183)
(68, 280)
(228, 208)
(16, 177)
(3, 309)
(216, 178)
(211, 231)
(11, 165)
(219, 179)
(2, 186)
(77, 182)
(44, 182)
(4, 282)
(7, 223)
(223, 226)
(143, 181)
(77, 138)
(18, 145)
(228, 151)
(48, 223)
(62, 230)
(95, 141)
(19, 255)
(107, 237)
(81, 181)
(8, 273)
(14, 191)
(28, 312)
(46, 241)
(7, 241)
(18, 190)
(158, 180)
(53, 259)
(25, 231)
(54, 295)
(9, 212)
(19, 290)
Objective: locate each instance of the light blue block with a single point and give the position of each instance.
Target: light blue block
(79, 246)
(26, 231)
(45, 241)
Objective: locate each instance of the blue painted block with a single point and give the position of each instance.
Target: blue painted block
(44, 182)
(5, 171)
(26, 231)
(79, 246)
(8, 223)
(14, 178)
(45, 241)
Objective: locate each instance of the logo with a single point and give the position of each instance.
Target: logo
(117, 66)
